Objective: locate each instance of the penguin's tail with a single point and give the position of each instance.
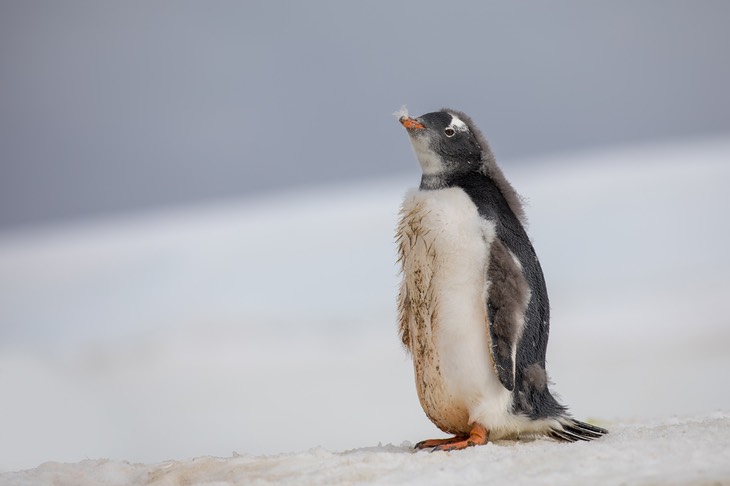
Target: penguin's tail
(571, 430)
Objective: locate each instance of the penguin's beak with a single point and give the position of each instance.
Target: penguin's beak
(410, 123)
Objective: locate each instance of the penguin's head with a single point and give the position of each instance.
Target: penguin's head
(444, 144)
(453, 152)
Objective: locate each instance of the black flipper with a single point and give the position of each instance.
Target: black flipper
(506, 303)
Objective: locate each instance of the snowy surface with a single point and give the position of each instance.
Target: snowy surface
(266, 328)
(678, 451)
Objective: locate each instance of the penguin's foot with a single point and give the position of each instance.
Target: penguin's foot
(431, 443)
(478, 436)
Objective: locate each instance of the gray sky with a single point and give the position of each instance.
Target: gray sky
(119, 106)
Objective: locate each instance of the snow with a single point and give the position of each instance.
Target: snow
(676, 451)
(267, 328)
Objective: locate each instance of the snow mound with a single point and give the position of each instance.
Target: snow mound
(692, 450)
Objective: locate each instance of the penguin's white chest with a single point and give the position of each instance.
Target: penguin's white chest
(444, 252)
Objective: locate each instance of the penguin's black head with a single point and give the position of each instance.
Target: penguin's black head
(444, 144)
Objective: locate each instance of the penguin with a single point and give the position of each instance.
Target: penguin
(473, 305)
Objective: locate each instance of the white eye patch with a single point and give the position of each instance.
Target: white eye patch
(457, 124)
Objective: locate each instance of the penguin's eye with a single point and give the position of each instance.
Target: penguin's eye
(449, 131)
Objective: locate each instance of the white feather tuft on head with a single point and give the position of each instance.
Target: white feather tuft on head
(402, 111)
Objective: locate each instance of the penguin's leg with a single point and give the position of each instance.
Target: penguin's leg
(477, 436)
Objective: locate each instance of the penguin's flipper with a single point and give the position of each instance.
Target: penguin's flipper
(508, 297)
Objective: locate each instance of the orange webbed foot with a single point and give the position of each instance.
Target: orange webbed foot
(478, 436)
(431, 443)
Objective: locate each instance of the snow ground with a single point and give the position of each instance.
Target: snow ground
(677, 451)
(268, 328)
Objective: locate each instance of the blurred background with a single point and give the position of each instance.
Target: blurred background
(117, 107)
(198, 200)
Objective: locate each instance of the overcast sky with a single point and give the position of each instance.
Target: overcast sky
(109, 107)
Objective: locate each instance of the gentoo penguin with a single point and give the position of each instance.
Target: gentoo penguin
(473, 307)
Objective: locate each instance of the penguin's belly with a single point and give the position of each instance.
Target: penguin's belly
(444, 248)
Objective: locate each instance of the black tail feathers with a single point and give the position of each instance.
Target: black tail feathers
(574, 430)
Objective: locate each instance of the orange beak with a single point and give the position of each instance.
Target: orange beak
(410, 123)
